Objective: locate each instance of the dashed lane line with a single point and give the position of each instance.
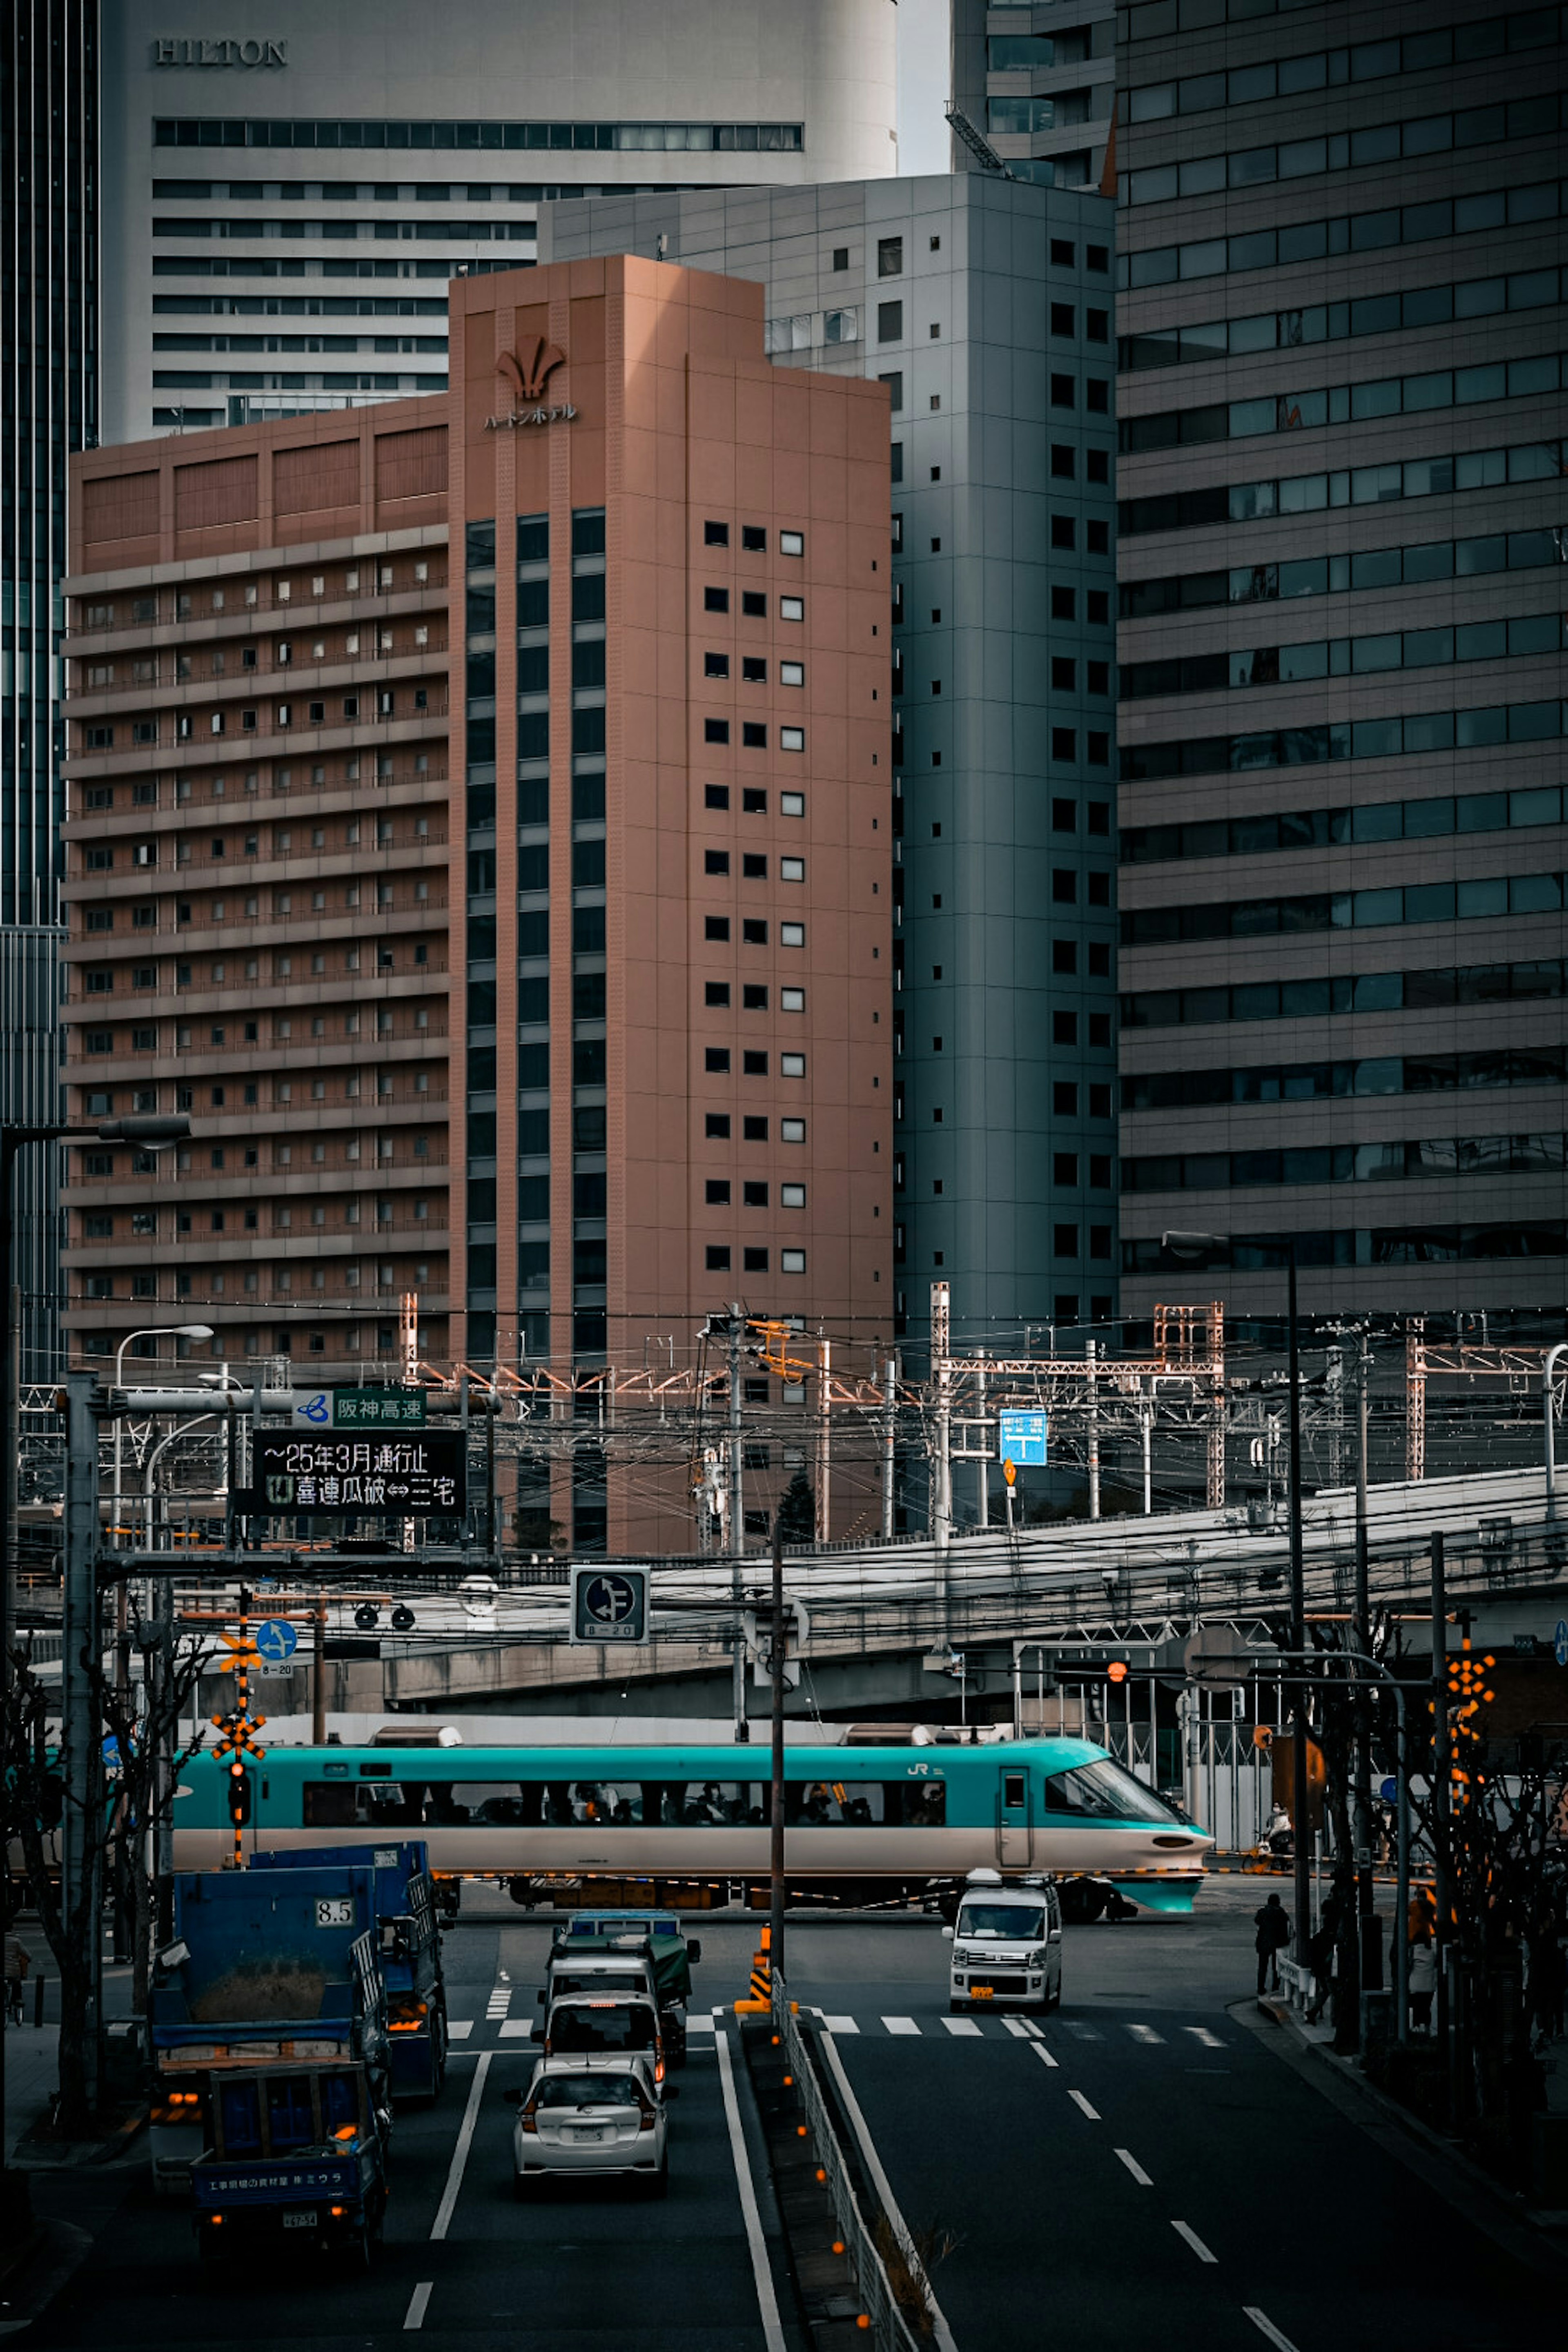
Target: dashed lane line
(1190, 2236)
(1042, 2054)
(1079, 2101)
(417, 2303)
(1134, 2167)
(1266, 2327)
(1018, 2027)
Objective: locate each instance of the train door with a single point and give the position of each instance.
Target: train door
(1015, 1838)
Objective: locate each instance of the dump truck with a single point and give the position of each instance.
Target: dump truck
(409, 1951)
(267, 1970)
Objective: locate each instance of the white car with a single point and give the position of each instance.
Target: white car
(591, 2118)
(1006, 1947)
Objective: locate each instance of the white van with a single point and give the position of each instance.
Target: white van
(1006, 1945)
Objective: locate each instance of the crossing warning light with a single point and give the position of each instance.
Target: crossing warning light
(1116, 1672)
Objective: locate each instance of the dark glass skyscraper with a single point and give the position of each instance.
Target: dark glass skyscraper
(48, 349)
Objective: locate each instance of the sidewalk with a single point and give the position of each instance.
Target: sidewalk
(1537, 2239)
(32, 2054)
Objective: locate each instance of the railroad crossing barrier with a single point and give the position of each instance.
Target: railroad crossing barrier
(760, 2000)
(886, 2326)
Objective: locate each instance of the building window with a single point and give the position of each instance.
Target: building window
(718, 1258)
(890, 322)
(792, 1260)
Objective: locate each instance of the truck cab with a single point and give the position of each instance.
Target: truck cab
(1006, 1945)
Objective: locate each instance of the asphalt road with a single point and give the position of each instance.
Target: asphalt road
(1143, 2170)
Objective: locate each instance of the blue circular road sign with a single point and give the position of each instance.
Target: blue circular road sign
(276, 1641)
(1560, 1641)
(1389, 1791)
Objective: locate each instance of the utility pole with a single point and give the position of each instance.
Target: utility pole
(941, 1477)
(1302, 1840)
(319, 1672)
(81, 1730)
(889, 1435)
(984, 1493)
(1361, 1745)
(1442, 1888)
(776, 1772)
(824, 1438)
(736, 1530)
(1089, 1354)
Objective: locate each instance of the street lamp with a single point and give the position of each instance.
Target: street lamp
(1191, 1248)
(148, 1331)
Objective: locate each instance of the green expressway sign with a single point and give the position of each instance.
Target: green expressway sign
(378, 1408)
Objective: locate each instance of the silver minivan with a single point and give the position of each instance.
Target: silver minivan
(1006, 1945)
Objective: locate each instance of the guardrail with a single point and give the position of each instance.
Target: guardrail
(888, 2330)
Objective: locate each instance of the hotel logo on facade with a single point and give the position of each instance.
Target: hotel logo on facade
(179, 52)
(527, 372)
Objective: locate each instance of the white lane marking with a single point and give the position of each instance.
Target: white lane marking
(941, 2331)
(417, 2303)
(699, 2024)
(900, 2025)
(1265, 2327)
(516, 2028)
(1018, 2027)
(1192, 2238)
(1030, 2028)
(964, 2026)
(1144, 2033)
(461, 2153)
(1042, 2054)
(459, 2028)
(767, 2303)
(1201, 2033)
(1083, 2032)
(840, 2025)
(1079, 2101)
(1134, 2167)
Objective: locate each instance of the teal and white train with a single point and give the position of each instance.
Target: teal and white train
(863, 1824)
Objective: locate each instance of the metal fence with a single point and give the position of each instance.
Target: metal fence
(888, 2330)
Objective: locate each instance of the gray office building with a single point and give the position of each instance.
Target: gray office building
(1038, 82)
(984, 306)
(1341, 406)
(49, 201)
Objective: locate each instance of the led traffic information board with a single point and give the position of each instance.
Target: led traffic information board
(415, 1475)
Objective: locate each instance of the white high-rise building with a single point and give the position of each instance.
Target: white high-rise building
(284, 200)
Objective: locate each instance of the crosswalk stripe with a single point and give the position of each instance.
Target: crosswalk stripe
(699, 2023)
(964, 2027)
(1201, 2033)
(1018, 2027)
(459, 2028)
(516, 2028)
(840, 2025)
(1031, 2029)
(900, 2025)
(1083, 2032)
(1144, 2033)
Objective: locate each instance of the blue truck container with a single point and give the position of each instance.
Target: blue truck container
(267, 1970)
(409, 1951)
(297, 2155)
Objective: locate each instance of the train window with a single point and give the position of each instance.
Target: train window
(1104, 1791)
(624, 1804)
(1011, 1789)
(865, 1804)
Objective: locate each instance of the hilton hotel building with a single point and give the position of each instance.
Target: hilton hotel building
(285, 194)
(479, 825)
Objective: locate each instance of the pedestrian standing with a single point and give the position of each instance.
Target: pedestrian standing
(1273, 1933)
(1423, 1983)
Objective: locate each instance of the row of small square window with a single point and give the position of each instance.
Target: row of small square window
(753, 538)
(753, 799)
(754, 669)
(754, 606)
(719, 1258)
(753, 866)
(753, 735)
(754, 998)
(717, 1060)
(718, 1126)
(753, 931)
(718, 1192)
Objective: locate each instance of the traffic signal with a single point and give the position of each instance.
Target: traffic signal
(1117, 1671)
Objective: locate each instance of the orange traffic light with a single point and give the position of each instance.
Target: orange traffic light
(1116, 1672)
